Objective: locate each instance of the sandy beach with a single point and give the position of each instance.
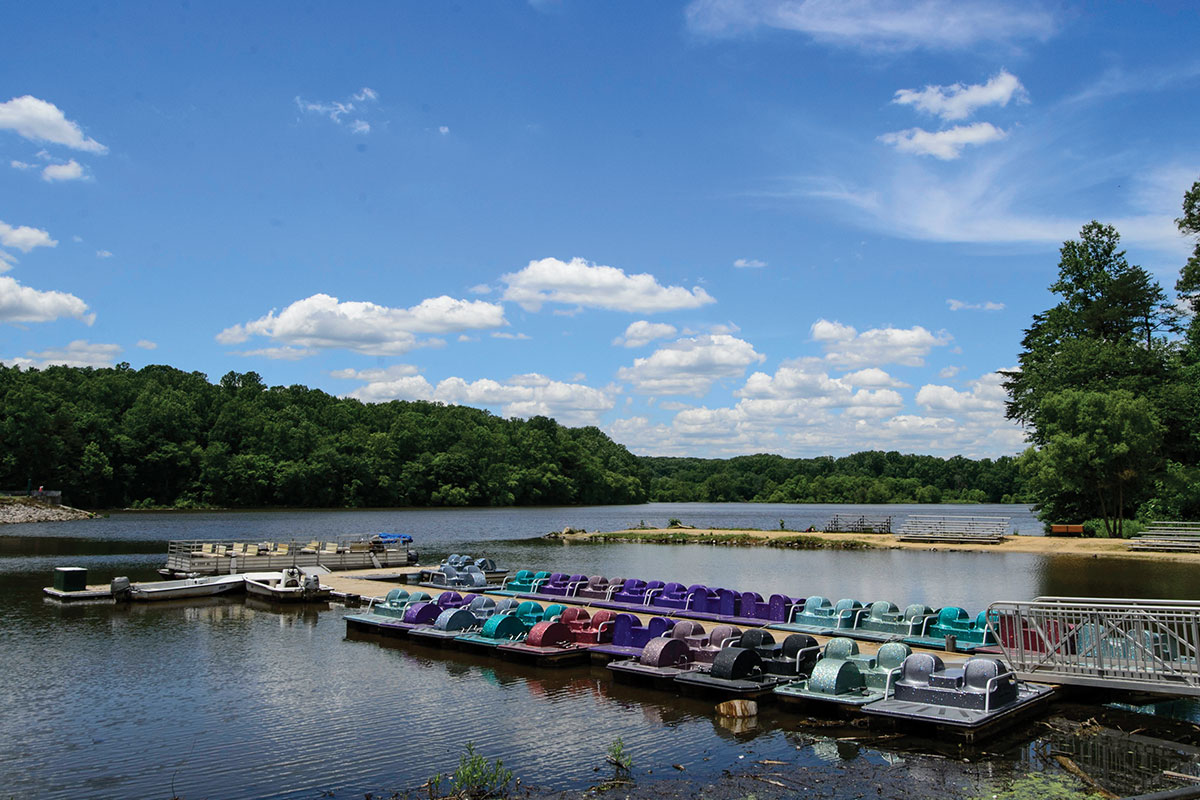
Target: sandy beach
(1040, 545)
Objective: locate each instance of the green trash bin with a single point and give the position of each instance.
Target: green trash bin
(70, 579)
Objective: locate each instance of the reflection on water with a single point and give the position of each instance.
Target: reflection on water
(245, 698)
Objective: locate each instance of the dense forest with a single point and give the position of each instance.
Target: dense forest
(1109, 386)
(162, 437)
(868, 477)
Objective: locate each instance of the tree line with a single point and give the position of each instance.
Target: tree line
(158, 436)
(1108, 387)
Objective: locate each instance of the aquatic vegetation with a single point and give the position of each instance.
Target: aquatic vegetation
(1039, 786)
(619, 757)
(476, 778)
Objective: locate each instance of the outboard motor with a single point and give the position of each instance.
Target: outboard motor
(121, 589)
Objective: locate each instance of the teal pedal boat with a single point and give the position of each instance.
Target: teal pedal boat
(846, 678)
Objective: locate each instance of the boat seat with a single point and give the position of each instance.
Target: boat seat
(841, 648)
(422, 613)
(737, 664)
(628, 631)
(455, 619)
(330, 548)
(482, 607)
(549, 634)
(504, 627)
(759, 640)
(485, 564)
(666, 652)
(507, 606)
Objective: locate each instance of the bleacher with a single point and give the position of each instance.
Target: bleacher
(1178, 537)
(857, 523)
(954, 530)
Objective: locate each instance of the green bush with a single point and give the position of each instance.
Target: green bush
(1129, 528)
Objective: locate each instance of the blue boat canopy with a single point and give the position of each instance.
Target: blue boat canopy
(389, 538)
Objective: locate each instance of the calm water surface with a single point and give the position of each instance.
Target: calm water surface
(243, 699)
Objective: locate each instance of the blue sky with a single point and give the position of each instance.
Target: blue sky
(712, 228)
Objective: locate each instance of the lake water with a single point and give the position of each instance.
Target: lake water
(238, 699)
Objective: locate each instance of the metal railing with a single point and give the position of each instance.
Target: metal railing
(1139, 645)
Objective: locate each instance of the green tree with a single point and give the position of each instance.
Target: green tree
(1100, 454)
(1108, 331)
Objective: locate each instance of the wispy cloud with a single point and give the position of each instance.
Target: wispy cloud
(879, 24)
(351, 109)
(959, 305)
(749, 263)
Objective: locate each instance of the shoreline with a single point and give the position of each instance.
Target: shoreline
(819, 540)
(17, 510)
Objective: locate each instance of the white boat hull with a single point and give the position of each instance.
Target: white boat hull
(186, 587)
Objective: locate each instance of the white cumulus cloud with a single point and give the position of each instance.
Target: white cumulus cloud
(70, 171)
(845, 346)
(946, 145)
(79, 353)
(984, 395)
(323, 322)
(641, 333)
(958, 101)
(691, 366)
(580, 283)
(41, 121)
(748, 263)
(24, 238)
(146, 344)
(520, 396)
(23, 304)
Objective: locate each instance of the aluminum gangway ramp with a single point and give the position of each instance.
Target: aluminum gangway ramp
(1130, 644)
